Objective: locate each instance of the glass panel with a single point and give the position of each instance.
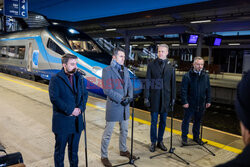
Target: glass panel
(84, 46)
(53, 46)
(21, 52)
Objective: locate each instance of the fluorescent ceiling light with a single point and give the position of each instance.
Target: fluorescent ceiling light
(134, 45)
(200, 21)
(175, 44)
(161, 25)
(55, 23)
(146, 45)
(110, 29)
(234, 44)
(192, 44)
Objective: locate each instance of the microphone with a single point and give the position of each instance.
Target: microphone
(81, 72)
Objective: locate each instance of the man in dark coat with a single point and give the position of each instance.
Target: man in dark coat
(158, 92)
(195, 95)
(243, 112)
(118, 88)
(68, 96)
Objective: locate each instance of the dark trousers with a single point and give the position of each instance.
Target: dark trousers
(196, 125)
(61, 141)
(162, 125)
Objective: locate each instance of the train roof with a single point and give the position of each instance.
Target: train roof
(37, 31)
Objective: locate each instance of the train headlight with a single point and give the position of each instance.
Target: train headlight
(97, 71)
(73, 31)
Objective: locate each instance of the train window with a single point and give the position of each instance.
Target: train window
(3, 50)
(12, 52)
(84, 46)
(53, 46)
(21, 52)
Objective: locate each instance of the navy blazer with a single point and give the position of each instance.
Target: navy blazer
(64, 100)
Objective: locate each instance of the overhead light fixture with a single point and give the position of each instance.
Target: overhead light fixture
(234, 44)
(146, 45)
(134, 45)
(200, 21)
(161, 25)
(55, 23)
(175, 44)
(191, 44)
(110, 29)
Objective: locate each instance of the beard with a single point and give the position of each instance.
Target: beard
(72, 71)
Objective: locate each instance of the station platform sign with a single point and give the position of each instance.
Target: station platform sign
(16, 8)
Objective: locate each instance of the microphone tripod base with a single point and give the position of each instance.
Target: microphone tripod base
(130, 162)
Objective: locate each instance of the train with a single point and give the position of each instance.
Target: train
(37, 53)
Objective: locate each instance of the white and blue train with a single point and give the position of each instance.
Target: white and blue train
(37, 53)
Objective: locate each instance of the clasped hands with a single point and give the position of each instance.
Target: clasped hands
(126, 100)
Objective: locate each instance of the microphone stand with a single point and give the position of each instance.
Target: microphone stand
(85, 140)
(171, 149)
(131, 160)
(84, 121)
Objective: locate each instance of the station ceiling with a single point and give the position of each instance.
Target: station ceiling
(146, 17)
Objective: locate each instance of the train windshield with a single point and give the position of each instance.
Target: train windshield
(82, 44)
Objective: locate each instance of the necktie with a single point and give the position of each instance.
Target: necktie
(71, 80)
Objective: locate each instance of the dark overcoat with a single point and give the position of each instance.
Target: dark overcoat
(65, 99)
(116, 88)
(195, 90)
(242, 160)
(159, 85)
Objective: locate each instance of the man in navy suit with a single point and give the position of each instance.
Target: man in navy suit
(68, 96)
(118, 88)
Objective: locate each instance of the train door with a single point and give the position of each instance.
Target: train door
(29, 59)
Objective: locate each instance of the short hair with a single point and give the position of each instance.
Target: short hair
(67, 56)
(198, 58)
(163, 45)
(116, 50)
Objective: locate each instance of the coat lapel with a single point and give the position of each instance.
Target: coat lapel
(116, 72)
(66, 80)
(126, 77)
(167, 66)
(157, 67)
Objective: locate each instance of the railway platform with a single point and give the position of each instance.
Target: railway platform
(25, 126)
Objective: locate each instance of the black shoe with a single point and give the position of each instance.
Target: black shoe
(152, 147)
(161, 146)
(184, 143)
(105, 162)
(198, 141)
